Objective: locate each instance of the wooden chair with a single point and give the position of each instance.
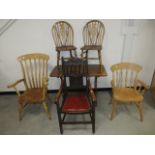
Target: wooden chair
(75, 102)
(35, 78)
(63, 36)
(93, 34)
(126, 86)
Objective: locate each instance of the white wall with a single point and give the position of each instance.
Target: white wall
(27, 36)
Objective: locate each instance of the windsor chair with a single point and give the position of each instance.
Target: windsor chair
(93, 34)
(126, 86)
(75, 102)
(35, 78)
(63, 37)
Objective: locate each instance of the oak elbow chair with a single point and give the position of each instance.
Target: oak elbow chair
(35, 78)
(63, 36)
(75, 102)
(126, 87)
(93, 34)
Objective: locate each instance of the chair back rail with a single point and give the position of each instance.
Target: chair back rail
(125, 74)
(34, 69)
(63, 34)
(93, 33)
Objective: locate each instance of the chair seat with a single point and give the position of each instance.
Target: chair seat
(65, 48)
(76, 104)
(91, 47)
(32, 95)
(127, 95)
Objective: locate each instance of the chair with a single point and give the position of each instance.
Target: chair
(35, 78)
(63, 37)
(75, 102)
(126, 87)
(93, 34)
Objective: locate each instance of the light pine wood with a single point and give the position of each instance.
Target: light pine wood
(63, 36)
(93, 34)
(35, 77)
(126, 86)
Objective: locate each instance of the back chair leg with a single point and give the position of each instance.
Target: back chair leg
(140, 109)
(93, 122)
(114, 107)
(59, 118)
(20, 110)
(46, 110)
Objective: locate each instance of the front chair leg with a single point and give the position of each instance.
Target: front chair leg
(140, 109)
(46, 110)
(114, 107)
(20, 110)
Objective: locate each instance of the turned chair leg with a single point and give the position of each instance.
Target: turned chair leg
(20, 110)
(46, 110)
(58, 58)
(114, 108)
(140, 109)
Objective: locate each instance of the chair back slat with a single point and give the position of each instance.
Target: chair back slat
(62, 33)
(125, 74)
(34, 69)
(93, 33)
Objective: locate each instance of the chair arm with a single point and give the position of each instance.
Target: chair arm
(15, 83)
(141, 87)
(91, 91)
(14, 86)
(59, 93)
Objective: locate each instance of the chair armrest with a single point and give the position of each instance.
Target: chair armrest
(91, 91)
(141, 87)
(59, 93)
(15, 83)
(14, 86)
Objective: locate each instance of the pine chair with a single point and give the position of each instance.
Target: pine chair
(75, 102)
(35, 78)
(93, 34)
(63, 37)
(126, 86)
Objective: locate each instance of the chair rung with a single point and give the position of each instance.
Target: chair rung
(79, 122)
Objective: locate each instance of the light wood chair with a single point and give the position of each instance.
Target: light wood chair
(93, 34)
(63, 36)
(35, 78)
(126, 86)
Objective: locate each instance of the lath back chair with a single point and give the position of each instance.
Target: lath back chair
(75, 102)
(126, 86)
(93, 34)
(63, 36)
(35, 77)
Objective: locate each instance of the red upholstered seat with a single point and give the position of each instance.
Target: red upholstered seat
(76, 104)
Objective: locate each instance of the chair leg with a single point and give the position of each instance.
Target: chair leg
(114, 107)
(59, 119)
(46, 110)
(93, 122)
(20, 110)
(100, 57)
(140, 109)
(58, 58)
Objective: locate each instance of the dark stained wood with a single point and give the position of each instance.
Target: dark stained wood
(91, 47)
(93, 70)
(65, 48)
